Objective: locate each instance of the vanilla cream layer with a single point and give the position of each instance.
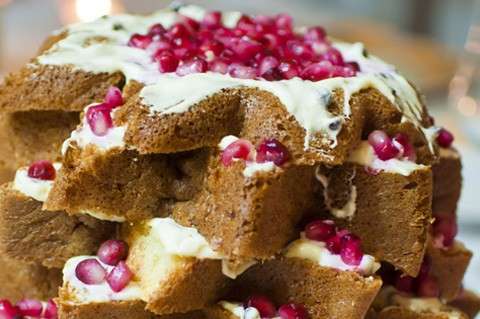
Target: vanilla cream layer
(364, 155)
(35, 188)
(317, 252)
(239, 311)
(167, 93)
(433, 305)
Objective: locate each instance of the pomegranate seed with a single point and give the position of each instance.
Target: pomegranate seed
(140, 41)
(271, 41)
(178, 30)
(406, 149)
(298, 50)
(245, 49)
(43, 170)
(382, 145)
(112, 252)
(99, 119)
(292, 311)
(265, 307)
(445, 228)
(51, 311)
(30, 307)
(212, 19)
(343, 71)
(242, 72)
(167, 62)
(191, 24)
(267, 65)
(334, 56)
(317, 71)
(271, 150)
(315, 34)
(284, 21)
(8, 311)
(444, 138)
(288, 70)
(218, 66)
(157, 29)
(216, 47)
(196, 65)
(240, 149)
(428, 287)
(119, 277)
(320, 230)
(334, 243)
(113, 98)
(405, 284)
(90, 272)
(350, 250)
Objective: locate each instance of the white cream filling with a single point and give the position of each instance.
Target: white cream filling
(80, 293)
(433, 305)
(364, 155)
(167, 93)
(35, 188)
(251, 167)
(239, 311)
(317, 252)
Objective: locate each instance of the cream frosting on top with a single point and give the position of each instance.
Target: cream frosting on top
(35, 188)
(317, 251)
(166, 93)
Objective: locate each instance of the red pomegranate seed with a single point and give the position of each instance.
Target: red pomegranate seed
(214, 46)
(8, 311)
(218, 66)
(271, 150)
(90, 272)
(288, 70)
(445, 228)
(240, 149)
(112, 252)
(51, 311)
(43, 170)
(245, 49)
(334, 243)
(242, 72)
(444, 138)
(298, 50)
(292, 311)
(283, 21)
(406, 149)
(428, 287)
(317, 71)
(265, 307)
(334, 56)
(113, 98)
(382, 145)
(320, 230)
(267, 65)
(343, 71)
(350, 250)
(405, 284)
(196, 65)
(178, 30)
(157, 29)
(315, 34)
(30, 307)
(271, 41)
(212, 19)
(119, 277)
(139, 41)
(191, 24)
(167, 62)
(99, 119)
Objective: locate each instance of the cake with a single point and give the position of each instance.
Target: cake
(203, 164)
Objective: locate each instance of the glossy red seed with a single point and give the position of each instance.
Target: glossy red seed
(99, 119)
(292, 311)
(241, 71)
(178, 30)
(406, 149)
(272, 150)
(405, 284)
(240, 149)
(51, 311)
(112, 252)
(445, 228)
(196, 65)
(320, 230)
(298, 50)
(428, 287)
(90, 272)
(315, 34)
(382, 145)
(288, 70)
(213, 46)
(212, 19)
(167, 61)
(444, 138)
(245, 48)
(191, 24)
(317, 71)
(350, 250)
(267, 65)
(30, 307)
(265, 307)
(113, 98)
(334, 243)
(157, 29)
(8, 311)
(119, 277)
(140, 41)
(284, 21)
(218, 66)
(334, 56)
(43, 170)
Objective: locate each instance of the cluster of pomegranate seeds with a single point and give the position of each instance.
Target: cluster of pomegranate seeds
(424, 285)
(28, 308)
(337, 241)
(387, 148)
(444, 138)
(266, 308)
(99, 116)
(269, 150)
(444, 229)
(113, 253)
(257, 47)
(43, 170)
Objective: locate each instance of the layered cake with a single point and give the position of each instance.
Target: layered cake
(214, 165)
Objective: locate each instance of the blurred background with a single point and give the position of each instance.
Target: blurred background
(435, 43)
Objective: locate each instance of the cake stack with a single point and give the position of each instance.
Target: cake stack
(195, 164)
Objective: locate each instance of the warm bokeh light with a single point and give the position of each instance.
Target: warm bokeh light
(89, 10)
(467, 106)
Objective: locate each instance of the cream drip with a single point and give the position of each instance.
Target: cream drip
(317, 251)
(35, 188)
(365, 155)
(241, 312)
(167, 93)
